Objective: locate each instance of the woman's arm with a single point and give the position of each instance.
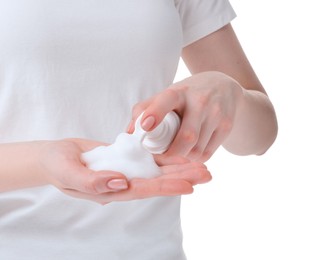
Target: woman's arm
(255, 125)
(38, 163)
(223, 103)
(58, 163)
(18, 166)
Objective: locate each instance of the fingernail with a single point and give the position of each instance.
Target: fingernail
(148, 123)
(117, 184)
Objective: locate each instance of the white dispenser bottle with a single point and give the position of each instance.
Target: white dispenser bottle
(159, 139)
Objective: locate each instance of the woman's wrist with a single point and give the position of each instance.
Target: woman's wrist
(20, 165)
(255, 125)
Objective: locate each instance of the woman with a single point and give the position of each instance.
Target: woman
(71, 72)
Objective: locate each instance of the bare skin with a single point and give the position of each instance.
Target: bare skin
(58, 163)
(223, 103)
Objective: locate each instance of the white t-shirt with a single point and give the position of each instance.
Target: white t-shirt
(75, 68)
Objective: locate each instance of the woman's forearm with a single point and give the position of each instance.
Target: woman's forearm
(255, 125)
(19, 166)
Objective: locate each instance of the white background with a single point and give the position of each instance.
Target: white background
(266, 207)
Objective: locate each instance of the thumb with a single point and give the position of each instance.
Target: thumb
(88, 181)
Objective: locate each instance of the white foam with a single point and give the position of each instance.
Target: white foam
(127, 156)
(131, 155)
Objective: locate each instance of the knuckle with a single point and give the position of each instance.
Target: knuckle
(226, 125)
(217, 111)
(171, 94)
(90, 186)
(189, 136)
(201, 101)
(139, 191)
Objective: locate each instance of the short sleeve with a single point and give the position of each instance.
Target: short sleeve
(202, 17)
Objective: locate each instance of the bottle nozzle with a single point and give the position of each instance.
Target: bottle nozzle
(158, 140)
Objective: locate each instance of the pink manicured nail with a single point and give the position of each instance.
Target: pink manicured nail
(117, 184)
(148, 123)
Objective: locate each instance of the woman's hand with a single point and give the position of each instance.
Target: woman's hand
(179, 175)
(61, 166)
(206, 102)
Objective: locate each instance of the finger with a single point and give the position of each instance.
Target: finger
(159, 187)
(163, 159)
(168, 100)
(139, 189)
(168, 169)
(215, 142)
(195, 174)
(188, 134)
(207, 129)
(82, 179)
